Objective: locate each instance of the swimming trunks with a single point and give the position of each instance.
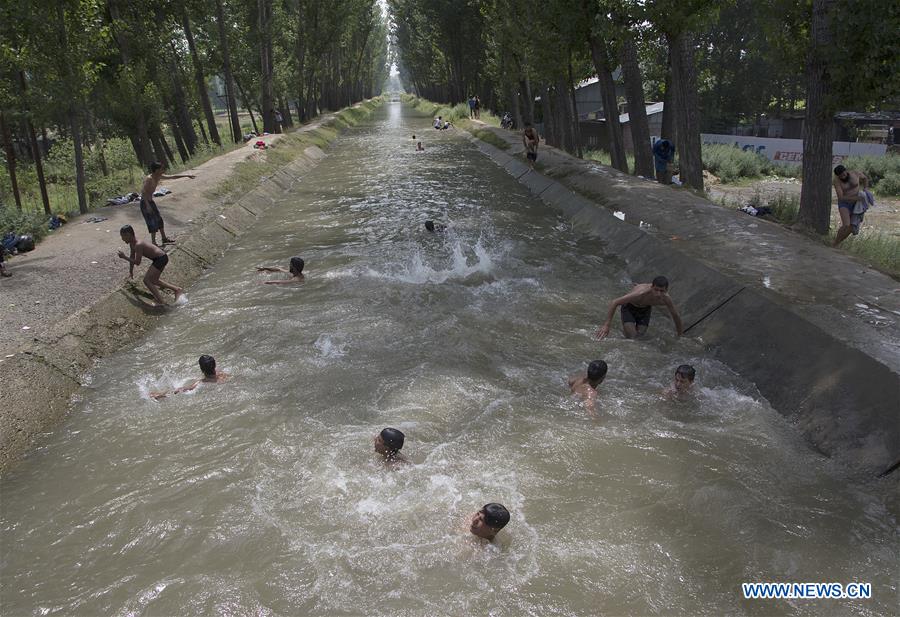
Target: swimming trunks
(849, 205)
(160, 262)
(151, 215)
(532, 156)
(638, 315)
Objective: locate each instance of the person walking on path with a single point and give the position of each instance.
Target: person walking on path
(149, 209)
(531, 139)
(849, 186)
(471, 107)
(477, 108)
(663, 156)
(158, 260)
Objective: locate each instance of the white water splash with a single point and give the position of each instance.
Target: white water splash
(417, 271)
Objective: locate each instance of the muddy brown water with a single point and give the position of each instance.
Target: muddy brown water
(262, 495)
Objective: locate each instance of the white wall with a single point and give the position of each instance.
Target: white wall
(790, 151)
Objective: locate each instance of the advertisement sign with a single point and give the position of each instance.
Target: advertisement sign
(790, 151)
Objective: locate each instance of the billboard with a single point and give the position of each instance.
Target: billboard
(790, 151)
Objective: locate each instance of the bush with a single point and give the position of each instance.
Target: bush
(21, 223)
(730, 163)
(890, 184)
(603, 157)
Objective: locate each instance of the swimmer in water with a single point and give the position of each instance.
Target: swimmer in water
(636, 307)
(388, 443)
(684, 382)
(414, 137)
(430, 226)
(488, 521)
(210, 375)
(158, 260)
(420, 147)
(585, 383)
(295, 270)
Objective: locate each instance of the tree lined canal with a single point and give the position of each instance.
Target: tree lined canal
(263, 496)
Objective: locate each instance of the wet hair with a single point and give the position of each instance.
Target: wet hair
(414, 136)
(686, 370)
(839, 170)
(496, 516)
(597, 370)
(661, 281)
(392, 438)
(155, 166)
(207, 365)
(126, 230)
(297, 264)
(429, 225)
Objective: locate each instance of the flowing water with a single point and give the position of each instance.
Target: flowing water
(262, 496)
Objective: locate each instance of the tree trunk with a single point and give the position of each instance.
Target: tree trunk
(165, 144)
(158, 150)
(35, 151)
(267, 69)
(142, 137)
(687, 113)
(667, 130)
(572, 106)
(199, 78)
(818, 127)
(182, 114)
(610, 104)
(637, 110)
(79, 159)
(10, 161)
(247, 106)
(203, 131)
(284, 108)
(179, 139)
(528, 112)
(229, 77)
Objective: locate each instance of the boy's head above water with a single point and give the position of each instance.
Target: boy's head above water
(489, 520)
(684, 377)
(208, 365)
(297, 264)
(597, 372)
(389, 441)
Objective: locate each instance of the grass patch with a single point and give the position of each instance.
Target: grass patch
(249, 173)
(490, 137)
(731, 164)
(603, 157)
(883, 171)
(880, 249)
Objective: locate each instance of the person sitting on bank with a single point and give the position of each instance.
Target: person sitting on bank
(158, 260)
(210, 375)
(584, 383)
(430, 226)
(295, 270)
(438, 122)
(488, 521)
(636, 307)
(388, 443)
(684, 382)
(663, 157)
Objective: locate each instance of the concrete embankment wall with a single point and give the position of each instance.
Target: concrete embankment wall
(842, 398)
(40, 381)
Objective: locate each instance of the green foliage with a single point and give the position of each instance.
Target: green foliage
(603, 157)
(731, 164)
(878, 248)
(21, 223)
(491, 138)
(883, 171)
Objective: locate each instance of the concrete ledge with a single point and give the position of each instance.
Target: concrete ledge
(841, 392)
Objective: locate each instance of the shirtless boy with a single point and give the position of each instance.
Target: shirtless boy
(488, 521)
(388, 443)
(585, 383)
(684, 381)
(158, 260)
(148, 207)
(847, 186)
(531, 140)
(295, 270)
(210, 375)
(636, 307)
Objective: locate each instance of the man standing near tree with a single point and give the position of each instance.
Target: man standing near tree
(850, 188)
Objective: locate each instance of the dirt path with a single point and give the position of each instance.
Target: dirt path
(884, 217)
(77, 265)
